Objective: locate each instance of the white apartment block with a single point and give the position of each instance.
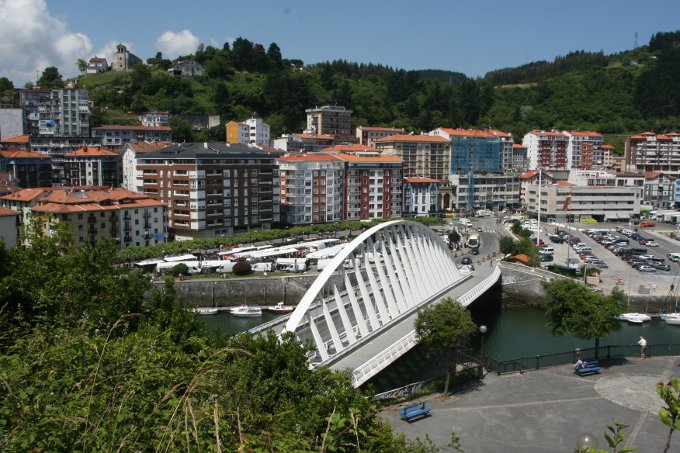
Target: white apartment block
(132, 150)
(420, 196)
(252, 131)
(367, 135)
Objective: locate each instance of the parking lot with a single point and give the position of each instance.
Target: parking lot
(618, 272)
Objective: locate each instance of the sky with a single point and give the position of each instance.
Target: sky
(468, 36)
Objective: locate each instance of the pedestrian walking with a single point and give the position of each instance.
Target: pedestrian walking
(643, 347)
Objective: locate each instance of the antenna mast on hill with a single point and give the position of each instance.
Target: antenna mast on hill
(636, 40)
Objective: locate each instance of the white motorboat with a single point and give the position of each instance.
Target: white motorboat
(247, 311)
(205, 311)
(634, 318)
(280, 308)
(671, 318)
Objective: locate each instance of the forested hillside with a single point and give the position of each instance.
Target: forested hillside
(616, 94)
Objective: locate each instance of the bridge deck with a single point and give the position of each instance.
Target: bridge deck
(386, 337)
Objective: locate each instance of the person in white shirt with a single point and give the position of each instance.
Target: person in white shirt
(643, 347)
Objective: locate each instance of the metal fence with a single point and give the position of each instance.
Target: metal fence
(605, 353)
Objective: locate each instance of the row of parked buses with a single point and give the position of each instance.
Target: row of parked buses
(265, 258)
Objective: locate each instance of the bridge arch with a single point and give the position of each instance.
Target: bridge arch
(384, 274)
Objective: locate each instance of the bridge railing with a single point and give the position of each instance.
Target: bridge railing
(531, 270)
(389, 355)
(470, 296)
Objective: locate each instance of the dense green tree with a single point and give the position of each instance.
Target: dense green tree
(443, 327)
(181, 130)
(50, 78)
(81, 65)
(573, 309)
(274, 56)
(670, 414)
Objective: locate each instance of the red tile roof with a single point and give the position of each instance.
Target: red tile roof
(359, 158)
(585, 133)
(412, 138)
(521, 257)
(120, 127)
(467, 132)
(25, 195)
(381, 129)
(21, 154)
(518, 146)
(565, 183)
(17, 139)
(146, 147)
(607, 147)
(417, 180)
(5, 212)
(529, 174)
(547, 133)
(352, 148)
(308, 157)
(91, 152)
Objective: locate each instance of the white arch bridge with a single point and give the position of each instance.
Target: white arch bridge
(359, 312)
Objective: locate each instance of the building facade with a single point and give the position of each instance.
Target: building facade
(11, 123)
(212, 189)
(565, 201)
(61, 113)
(659, 190)
(252, 131)
(155, 119)
(584, 149)
(311, 188)
(491, 191)
(420, 196)
(129, 157)
(97, 65)
(519, 159)
(424, 156)
(186, 68)
(308, 143)
(546, 150)
(367, 135)
(117, 136)
(9, 227)
(27, 168)
(94, 213)
(329, 119)
(653, 152)
(92, 167)
(477, 151)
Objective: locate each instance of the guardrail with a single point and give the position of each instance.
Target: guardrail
(531, 270)
(369, 369)
(472, 295)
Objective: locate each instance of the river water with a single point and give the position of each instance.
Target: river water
(512, 333)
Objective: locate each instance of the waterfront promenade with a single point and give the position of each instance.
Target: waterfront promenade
(545, 410)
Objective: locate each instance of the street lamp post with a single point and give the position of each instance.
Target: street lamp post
(482, 330)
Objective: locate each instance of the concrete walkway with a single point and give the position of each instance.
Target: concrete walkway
(546, 410)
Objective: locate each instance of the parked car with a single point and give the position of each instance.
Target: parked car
(646, 269)
(466, 260)
(601, 264)
(646, 257)
(647, 223)
(546, 258)
(651, 244)
(675, 257)
(660, 266)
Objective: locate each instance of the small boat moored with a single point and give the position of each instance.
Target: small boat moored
(634, 318)
(671, 318)
(205, 311)
(247, 311)
(280, 308)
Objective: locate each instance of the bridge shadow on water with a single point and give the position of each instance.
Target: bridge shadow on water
(420, 364)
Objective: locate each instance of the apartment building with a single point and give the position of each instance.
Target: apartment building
(367, 135)
(490, 191)
(94, 213)
(423, 156)
(420, 196)
(329, 119)
(212, 189)
(155, 119)
(92, 167)
(130, 152)
(584, 149)
(477, 151)
(116, 136)
(607, 158)
(9, 227)
(546, 150)
(653, 152)
(62, 113)
(566, 201)
(519, 159)
(252, 131)
(373, 186)
(308, 143)
(659, 190)
(27, 168)
(312, 188)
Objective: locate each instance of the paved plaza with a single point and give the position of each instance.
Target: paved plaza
(545, 410)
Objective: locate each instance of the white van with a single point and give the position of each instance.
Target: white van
(465, 222)
(546, 250)
(675, 257)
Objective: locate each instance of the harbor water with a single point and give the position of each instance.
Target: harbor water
(511, 333)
